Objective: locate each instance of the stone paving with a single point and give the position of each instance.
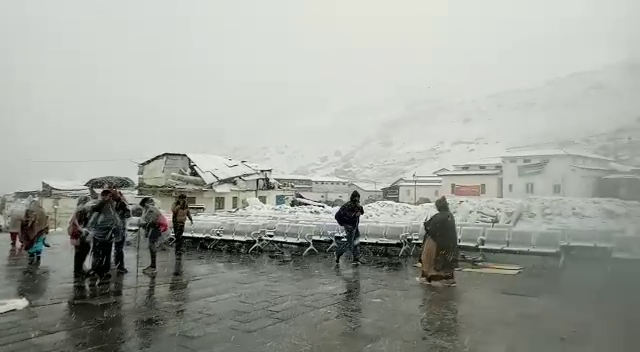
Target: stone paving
(234, 302)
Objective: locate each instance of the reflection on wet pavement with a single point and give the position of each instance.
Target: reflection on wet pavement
(212, 301)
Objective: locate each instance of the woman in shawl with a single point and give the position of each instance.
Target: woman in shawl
(33, 229)
(440, 251)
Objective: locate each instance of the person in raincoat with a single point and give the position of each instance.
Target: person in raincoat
(180, 214)
(79, 235)
(348, 216)
(103, 224)
(124, 213)
(440, 250)
(154, 224)
(33, 229)
(16, 215)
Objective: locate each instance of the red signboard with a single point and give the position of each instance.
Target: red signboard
(467, 191)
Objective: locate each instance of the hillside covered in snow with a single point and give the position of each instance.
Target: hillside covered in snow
(582, 109)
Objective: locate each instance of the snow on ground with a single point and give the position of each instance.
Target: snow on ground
(537, 213)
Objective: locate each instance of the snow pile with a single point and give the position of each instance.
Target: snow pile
(534, 213)
(9, 305)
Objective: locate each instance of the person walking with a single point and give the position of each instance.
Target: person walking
(154, 224)
(180, 214)
(120, 236)
(79, 237)
(348, 216)
(33, 229)
(16, 215)
(440, 251)
(103, 224)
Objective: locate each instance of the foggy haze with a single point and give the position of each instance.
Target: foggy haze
(120, 80)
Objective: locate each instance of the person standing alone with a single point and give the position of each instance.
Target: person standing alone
(349, 217)
(181, 213)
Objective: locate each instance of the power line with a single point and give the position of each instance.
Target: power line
(82, 161)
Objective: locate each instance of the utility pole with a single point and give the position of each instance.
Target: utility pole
(415, 189)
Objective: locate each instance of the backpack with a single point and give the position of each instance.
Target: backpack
(163, 223)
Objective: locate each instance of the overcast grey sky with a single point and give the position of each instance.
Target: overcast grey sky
(82, 79)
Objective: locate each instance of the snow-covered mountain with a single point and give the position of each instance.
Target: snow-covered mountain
(573, 109)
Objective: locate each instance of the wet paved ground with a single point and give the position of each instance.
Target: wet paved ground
(226, 302)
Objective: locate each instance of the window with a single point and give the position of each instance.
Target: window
(498, 167)
(234, 202)
(483, 167)
(408, 192)
(435, 193)
(483, 189)
(511, 188)
(557, 189)
(529, 188)
(513, 161)
(191, 200)
(526, 161)
(465, 168)
(262, 199)
(219, 203)
(453, 188)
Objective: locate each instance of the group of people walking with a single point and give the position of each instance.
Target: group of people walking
(99, 227)
(439, 257)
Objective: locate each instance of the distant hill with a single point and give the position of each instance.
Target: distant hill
(597, 110)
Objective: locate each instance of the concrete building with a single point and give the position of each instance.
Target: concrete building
(481, 178)
(294, 182)
(211, 182)
(414, 189)
(367, 190)
(555, 172)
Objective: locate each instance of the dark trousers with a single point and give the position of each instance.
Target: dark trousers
(118, 253)
(178, 231)
(101, 251)
(353, 243)
(154, 236)
(81, 252)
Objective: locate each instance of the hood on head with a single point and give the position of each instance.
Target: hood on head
(355, 196)
(441, 204)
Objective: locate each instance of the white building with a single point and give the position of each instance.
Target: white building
(367, 190)
(209, 181)
(554, 172)
(414, 189)
(481, 178)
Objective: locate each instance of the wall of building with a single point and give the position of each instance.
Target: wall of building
(572, 181)
(406, 192)
(326, 196)
(492, 184)
(330, 187)
(59, 217)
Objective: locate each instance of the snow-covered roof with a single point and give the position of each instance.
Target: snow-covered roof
(290, 177)
(213, 168)
(623, 176)
(554, 152)
(369, 186)
(483, 161)
(327, 179)
(424, 179)
(470, 172)
(419, 184)
(65, 185)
